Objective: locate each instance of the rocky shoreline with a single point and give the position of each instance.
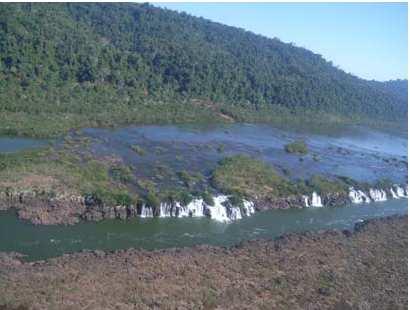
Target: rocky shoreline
(40, 209)
(363, 269)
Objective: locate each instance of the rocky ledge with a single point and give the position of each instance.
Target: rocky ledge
(363, 269)
(69, 209)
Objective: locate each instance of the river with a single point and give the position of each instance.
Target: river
(359, 153)
(39, 242)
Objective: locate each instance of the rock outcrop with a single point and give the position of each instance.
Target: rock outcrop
(39, 208)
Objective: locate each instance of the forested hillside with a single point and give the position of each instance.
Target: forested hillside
(70, 65)
(394, 87)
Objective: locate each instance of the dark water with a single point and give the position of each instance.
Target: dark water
(8, 144)
(40, 242)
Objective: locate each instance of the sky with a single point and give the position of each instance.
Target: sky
(368, 40)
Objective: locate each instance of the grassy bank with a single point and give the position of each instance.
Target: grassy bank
(57, 123)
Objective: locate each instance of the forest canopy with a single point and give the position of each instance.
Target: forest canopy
(75, 63)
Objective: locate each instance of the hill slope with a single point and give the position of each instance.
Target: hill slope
(71, 64)
(398, 88)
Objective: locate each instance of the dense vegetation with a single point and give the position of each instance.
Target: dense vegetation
(397, 88)
(297, 147)
(242, 176)
(72, 65)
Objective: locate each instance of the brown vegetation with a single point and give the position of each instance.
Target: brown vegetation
(327, 270)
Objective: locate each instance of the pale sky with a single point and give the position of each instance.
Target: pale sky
(368, 39)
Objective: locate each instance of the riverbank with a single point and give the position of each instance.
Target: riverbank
(63, 209)
(327, 270)
(58, 124)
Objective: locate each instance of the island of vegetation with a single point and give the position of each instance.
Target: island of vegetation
(297, 147)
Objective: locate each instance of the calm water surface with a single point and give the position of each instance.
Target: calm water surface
(10, 144)
(40, 242)
(356, 152)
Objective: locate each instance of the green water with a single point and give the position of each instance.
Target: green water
(39, 242)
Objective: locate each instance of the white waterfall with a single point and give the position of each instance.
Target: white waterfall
(400, 192)
(365, 198)
(354, 196)
(196, 208)
(248, 207)
(181, 211)
(173, 210)
(146, 211)
(306, 199)
(234, 213)
(358, 196)
(377, 194)
(218, 210)
(394, 195)
(316, 200)
(165, 210)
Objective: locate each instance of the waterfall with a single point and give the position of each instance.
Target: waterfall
(248, 208)
(400, 192)
(378, 194)
(165, 210)
(365, 198)
(234, 213)
(196, 208)
(358, 196)
(181, 211)
(316, 200)
(354, 196)
(146, 211)
(394, 195)
(306, 199)
(218, 210)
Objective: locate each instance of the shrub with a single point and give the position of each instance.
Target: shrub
(235, 200)
(247, 177)
(152, 200)
(111, 197)
(124, 199)
(220, 148)
(122, 174)
(137, 149)
(189, 180)
(297, 147)
(208, 199)
(323, 186)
